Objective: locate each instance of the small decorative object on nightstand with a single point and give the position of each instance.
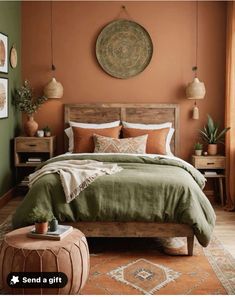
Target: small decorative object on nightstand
(198, 148)
(212, 167)
(211, 135)
(31, 152)
(40, 133)
(47, 131)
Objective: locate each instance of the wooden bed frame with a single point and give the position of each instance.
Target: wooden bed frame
(134, 113)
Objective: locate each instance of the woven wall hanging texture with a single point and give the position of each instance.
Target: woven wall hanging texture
(124, 48)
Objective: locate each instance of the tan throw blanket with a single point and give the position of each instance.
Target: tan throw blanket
(75, 175)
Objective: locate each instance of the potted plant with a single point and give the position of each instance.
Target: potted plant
(211, 135)
(198, 148)
(47, 131)
(40, 218)
(27, 103)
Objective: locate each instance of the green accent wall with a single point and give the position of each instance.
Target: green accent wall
(10, 24)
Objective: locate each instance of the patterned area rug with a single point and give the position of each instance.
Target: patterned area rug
(144, 275)
(137, 266)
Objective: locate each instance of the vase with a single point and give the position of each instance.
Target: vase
(53, 225)
(30, 127)
(212, 149)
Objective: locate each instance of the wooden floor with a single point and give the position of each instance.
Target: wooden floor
(224, 230)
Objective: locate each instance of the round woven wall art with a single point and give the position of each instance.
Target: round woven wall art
(13, 57)
(123, 48)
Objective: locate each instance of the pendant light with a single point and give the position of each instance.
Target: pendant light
(53, 89)
(196, 90)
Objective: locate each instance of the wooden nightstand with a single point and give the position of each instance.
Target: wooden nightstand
(212, 167)
(32, 148)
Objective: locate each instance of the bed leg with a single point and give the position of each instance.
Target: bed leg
(190, 240)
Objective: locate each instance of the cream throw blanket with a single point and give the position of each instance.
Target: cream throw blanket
(75, 175)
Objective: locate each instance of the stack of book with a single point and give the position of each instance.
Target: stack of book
(34, 160)
(61, 232)
(24, 182)
(210, 173)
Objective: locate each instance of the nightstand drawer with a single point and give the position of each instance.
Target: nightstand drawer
(32, 144)
(209, 162)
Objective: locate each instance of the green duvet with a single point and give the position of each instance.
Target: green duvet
(147, 189)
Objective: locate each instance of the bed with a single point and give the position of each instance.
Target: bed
(137, 226)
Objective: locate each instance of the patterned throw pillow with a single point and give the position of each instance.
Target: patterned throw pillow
(133, 145)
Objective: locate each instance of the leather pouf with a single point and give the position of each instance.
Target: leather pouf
(19, 253)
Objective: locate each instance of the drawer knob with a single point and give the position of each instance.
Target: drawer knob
(210, 163)
(32, 145)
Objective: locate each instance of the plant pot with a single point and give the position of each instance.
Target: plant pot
(198, 152)
(212, 149)
(41, 228)
(30, 127)
(47, 134)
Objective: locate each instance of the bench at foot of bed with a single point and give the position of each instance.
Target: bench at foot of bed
(136, 229)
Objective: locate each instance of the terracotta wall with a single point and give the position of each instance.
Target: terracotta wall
(171, 26)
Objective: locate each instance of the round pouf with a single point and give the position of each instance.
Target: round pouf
(19, 253)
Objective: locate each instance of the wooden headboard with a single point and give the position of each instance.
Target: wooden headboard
(134, 113)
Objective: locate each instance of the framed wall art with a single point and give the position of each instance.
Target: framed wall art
(3, 98)
(3, 53)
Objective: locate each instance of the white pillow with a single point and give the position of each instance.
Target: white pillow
(146, 126)
(94, 126)
(69, 131)
(168, 141)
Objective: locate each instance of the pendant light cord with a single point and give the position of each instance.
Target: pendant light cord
(52, 55)
(196, 52)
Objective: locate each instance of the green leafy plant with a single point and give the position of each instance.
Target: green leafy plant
(39, 215)
(198, 146)
(210, 133)
(47, 129)
(25, 100)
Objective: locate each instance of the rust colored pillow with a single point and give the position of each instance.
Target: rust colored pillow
(156, 142)
(83, 137)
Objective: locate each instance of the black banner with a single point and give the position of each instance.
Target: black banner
(37, 279)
